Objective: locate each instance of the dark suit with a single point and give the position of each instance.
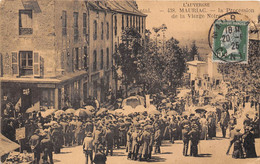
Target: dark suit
(35, 144)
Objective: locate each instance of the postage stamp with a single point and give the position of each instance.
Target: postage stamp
(230, 41)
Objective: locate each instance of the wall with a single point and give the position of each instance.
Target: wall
(98, 45)
(41, 41)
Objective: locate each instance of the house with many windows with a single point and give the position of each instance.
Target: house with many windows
(44, 53)
(125, 15)
(56, 53)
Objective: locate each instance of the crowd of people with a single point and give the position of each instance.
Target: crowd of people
(140, 133)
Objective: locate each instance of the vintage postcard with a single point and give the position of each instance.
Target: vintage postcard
(129, 81)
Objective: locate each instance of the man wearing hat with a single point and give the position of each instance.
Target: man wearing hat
(56, 137)
(194, 137)
(237, 140)
(135, 142)
(157, 139)
(145, 139)
(47, 148)
(129, 142)
(88, 147)
(65, 127)
(97, 138)
(185, 139)
(249, 143)
(35, 143)
(109, 136)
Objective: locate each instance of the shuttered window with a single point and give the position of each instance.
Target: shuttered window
(64, 23)
(15, 64)
(25, 22)
(36, 64)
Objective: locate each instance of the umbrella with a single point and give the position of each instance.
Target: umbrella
(186, 113)
(119, 111)
(59, 113)
(126, 108)
(152, 107)
(32, 109)
(103, 110)
(48, 112)
(89, 107)
(140, 108)
(164, 101)
(112, 112)
(7, 145)
(172, 112)
(210, 108)
(81, 112)
(70, 110)
(153, 112)
(200, 110)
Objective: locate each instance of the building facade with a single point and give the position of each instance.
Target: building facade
(44, 53)
(56, 53)
(125, 15)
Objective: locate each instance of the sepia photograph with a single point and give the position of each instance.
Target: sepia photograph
(129, 81)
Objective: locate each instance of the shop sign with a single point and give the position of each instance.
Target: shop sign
(46, 85)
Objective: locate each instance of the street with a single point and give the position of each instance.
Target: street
(210, 151)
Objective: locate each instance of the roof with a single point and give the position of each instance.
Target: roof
(124, 6)
(196, 62)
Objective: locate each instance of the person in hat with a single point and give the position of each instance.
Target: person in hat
(145, 139)
(35, 144)
(129, 142)
(65, 130)
(109, 136)
(79, 131)
(232, 133)
(88, 147)
(157, 139)
(237, 140)
(249, 143)
(135, 142)
(56, 137)
(97, 137)
(185, 139)
(232, 122)
(47, 148)
(194, 138)
(224, 122)
(72, 128)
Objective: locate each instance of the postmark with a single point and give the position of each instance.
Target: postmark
(229, 38)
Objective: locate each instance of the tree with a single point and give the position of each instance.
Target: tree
(175, 64)
(129, 55)
(193, 51)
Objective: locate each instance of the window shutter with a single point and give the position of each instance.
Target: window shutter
(82, 58)
(1, 65)
(36, 65)
(79, 58)
(74, 59)
(15, 64)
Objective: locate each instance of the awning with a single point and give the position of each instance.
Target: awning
(7, 145)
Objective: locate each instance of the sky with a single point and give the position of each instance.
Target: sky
(188, 29)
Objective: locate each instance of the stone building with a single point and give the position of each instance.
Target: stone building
(125, 15)
(56, 53)
(44, 47)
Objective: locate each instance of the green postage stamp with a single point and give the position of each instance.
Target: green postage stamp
(230, 41)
